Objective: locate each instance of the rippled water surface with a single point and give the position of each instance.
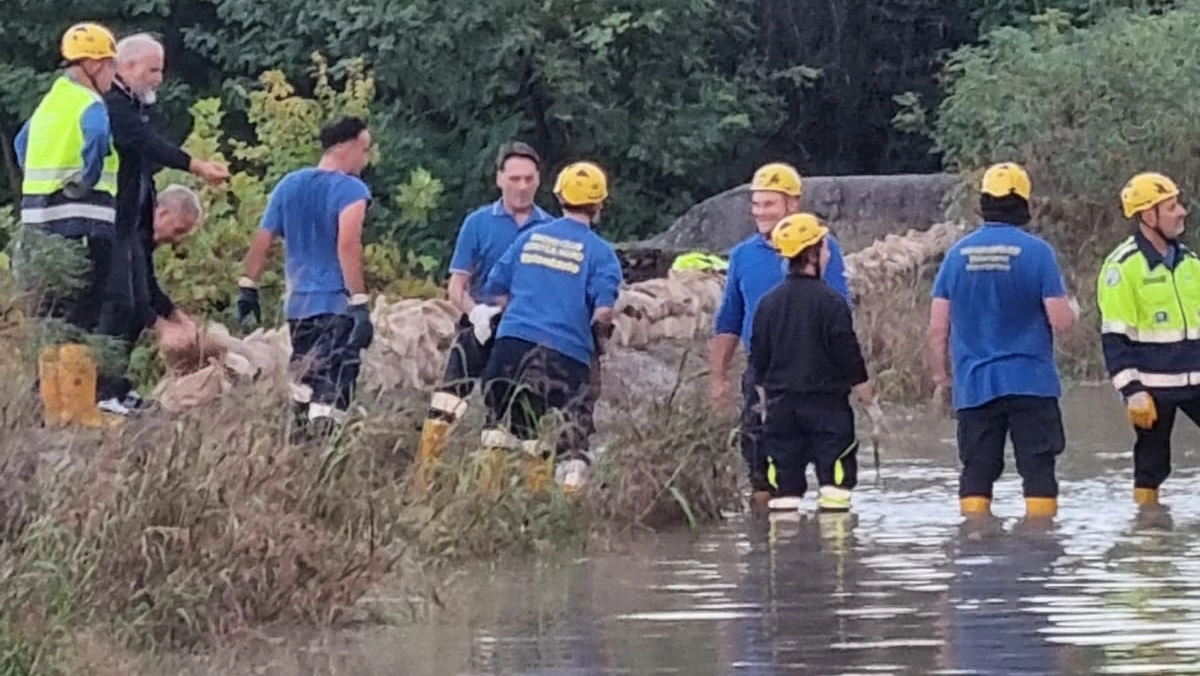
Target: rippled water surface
(902, 586)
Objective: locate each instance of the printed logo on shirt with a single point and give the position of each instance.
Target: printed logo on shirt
(991, 258)
(1112, 277)
(551, 252)
(1160, 317)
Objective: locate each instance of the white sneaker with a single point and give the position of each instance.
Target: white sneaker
(114, 406)
(571, 475)
(788, 503)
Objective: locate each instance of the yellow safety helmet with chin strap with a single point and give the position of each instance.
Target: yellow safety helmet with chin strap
(1006, 178)
(778, 177)
(1145, 191)
(581, 184)
(796, 233)
(88, 41)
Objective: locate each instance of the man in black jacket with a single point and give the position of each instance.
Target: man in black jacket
(128, 307)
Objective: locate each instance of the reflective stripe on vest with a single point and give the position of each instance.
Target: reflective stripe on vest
(54, 155)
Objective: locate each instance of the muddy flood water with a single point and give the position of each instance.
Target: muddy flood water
(902, 586)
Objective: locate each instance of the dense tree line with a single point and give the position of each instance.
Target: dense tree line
(678, 98)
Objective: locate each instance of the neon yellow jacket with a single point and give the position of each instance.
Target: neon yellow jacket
(1150, 319)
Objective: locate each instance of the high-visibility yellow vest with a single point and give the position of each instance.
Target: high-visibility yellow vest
(698, 260)
(54, 156)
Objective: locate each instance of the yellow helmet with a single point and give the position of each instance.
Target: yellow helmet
(1006, 178)
(581, 184)
(88, 41)
(1146, 190)
(778, 177)
(796, 233)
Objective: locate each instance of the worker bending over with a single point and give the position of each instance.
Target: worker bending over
(68, 193)
(805, 360)
(558, 284)
(754, 269)
(319, 213)
(1148, 291)
(998, 298)
(485, 235)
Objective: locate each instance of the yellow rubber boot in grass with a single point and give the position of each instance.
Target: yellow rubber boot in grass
(445, 410)
(77, 387)
(54, 411)
(1145, 497)
(492, 465)
(975, 505)
(539, 470)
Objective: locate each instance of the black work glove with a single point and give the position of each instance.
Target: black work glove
(362, 332)
(247, 304)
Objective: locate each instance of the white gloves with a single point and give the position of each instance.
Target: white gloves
(481, 321)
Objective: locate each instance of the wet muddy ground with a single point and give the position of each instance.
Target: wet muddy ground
(902, 586)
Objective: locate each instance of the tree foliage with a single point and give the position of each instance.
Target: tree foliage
(1085, 108)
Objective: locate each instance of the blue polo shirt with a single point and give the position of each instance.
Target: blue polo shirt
(485, 235)
(1001, 343)
(755, 267)
(555, 276)
(304, 209)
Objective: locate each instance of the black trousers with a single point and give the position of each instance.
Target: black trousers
(324, 360)
(42, 261)
(126, 310)
(1152, 450)
(750, 436)
(523, 380)
(802, 429)
(1035, 427)
(466, 360)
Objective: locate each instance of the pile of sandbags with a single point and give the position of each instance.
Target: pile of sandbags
(887, 261)
(412, 336)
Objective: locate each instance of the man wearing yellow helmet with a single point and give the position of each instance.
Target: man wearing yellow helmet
(69, 188)
(754, 269)
(805, 360)
(1148, 291)
(557, 284)
(998, 299)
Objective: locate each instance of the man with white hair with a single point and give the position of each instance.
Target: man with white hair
(142, 152)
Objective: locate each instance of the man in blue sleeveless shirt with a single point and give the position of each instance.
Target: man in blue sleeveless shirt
(558, 284)
(319, 212)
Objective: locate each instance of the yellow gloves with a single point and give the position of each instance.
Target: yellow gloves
(1140, 408)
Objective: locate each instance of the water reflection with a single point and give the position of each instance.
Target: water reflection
(902, 586)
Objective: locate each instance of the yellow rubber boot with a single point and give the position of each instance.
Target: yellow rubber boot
(1145, 496)
(1041, 508)
(429, 453)
(54, 412)
(975, 505)
(539, 470)
(77, 386)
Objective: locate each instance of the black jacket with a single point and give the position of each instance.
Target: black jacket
(142, 152)
(803, 341)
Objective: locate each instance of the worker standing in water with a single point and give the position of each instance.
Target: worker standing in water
(805, 360)
(485, 235)
(998, 298)
(754, 269)
(1148, 291)
(557, 284)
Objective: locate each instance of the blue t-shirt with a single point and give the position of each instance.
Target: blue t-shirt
(555, 276)
(303, 209)
(755, 267)
(1001, 343)
(485, 235)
